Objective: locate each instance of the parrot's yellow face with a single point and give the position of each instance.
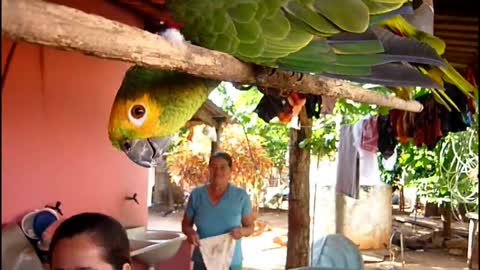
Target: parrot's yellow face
(151, 106)
(134, 119)
(134, 127)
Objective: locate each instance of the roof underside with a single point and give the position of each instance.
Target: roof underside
(456, 22)
(209, 114)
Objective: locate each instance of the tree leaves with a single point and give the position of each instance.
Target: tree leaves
(188, 163)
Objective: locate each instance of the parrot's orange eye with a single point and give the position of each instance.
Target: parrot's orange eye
(137, 111)
(137, 114)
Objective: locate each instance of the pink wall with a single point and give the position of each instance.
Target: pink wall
(55, 109)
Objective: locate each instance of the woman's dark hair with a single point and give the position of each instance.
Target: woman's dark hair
(105, 231)
(223, 156)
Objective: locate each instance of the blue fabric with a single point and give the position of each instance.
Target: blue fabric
(215, 220)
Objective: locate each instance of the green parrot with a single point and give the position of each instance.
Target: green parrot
(334, 38)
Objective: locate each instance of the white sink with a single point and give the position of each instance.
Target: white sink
(151, 247)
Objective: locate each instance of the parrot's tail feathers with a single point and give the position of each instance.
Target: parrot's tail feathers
(452, 76)
(405, 49)
(352, 43)
(392, 74)
(402, 27)
(312, 58)
(406, 9)
(322, 55)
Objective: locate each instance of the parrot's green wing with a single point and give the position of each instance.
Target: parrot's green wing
(309, 36)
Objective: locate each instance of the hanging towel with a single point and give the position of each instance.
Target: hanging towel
(217, 251)
(348, 163)
(370, 135)
(368, 171)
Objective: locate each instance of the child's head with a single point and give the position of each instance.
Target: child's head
(90, 241)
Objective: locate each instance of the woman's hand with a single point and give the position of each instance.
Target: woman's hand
(187, 229)
(193, 238)
(236, 233)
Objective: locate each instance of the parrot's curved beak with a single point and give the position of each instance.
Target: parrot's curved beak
(146, 152)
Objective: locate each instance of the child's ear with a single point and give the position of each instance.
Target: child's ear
(127, 266)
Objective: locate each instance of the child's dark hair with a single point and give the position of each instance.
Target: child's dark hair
(105, 231)
(223, 156)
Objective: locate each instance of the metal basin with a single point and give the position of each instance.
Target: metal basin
(151, 247)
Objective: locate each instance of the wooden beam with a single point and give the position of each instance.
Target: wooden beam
(472, 50)
(65, 28)
(466, 43)
(455, 19)
(456, 35)
(457, 27)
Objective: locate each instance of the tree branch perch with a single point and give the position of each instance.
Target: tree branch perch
(65, 28)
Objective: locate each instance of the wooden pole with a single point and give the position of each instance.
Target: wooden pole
(65, 28)
(446, 214)
(298, 244)
(218, 131)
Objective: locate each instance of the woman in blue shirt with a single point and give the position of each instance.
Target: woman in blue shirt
(217, 208)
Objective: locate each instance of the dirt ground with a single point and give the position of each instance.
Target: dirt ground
(262, 253)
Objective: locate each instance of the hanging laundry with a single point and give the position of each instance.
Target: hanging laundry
(409, 123)
(369, 172)
(295, 105)
(389, 163)
(313, 105)
(386, 136)
(369, 140)
(427, 123)
(285, 108)
(424, 128)
(270, 106)
(456, 121)
(347, 164)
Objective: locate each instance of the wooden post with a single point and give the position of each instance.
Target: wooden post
(216, 144)
(473, 264)
(401, 202)
(299, 200)
(65, 28)
(163, 187)
(446, 220)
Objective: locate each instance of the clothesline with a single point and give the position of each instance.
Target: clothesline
(361, 142)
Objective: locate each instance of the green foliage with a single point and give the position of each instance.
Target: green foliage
(324, 140)
(416, 163)
(275, 134)
(458, 165)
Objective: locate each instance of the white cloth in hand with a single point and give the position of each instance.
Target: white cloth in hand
(217, 251)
